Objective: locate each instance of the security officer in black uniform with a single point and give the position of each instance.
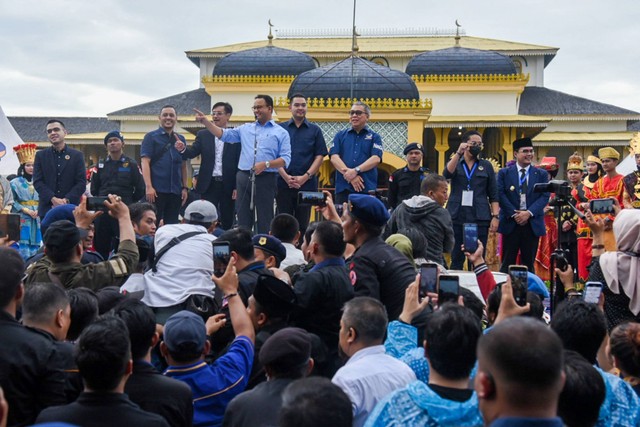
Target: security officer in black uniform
(376, 269)
(120, 175)
(404, 183)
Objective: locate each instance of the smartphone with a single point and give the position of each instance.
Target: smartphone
(96, 203)
(448, 289)
(519, 282)
(428, 279)
(601, 206)
(221, 256)
(470, 237)
(313, 198)
(592, 291)
(10, 226)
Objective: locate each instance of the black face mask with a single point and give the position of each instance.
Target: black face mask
(475, 150)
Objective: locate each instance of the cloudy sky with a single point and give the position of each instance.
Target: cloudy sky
(88, 58)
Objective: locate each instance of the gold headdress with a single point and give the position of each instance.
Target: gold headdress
(26, 153)
(634, 144)
(575, 162)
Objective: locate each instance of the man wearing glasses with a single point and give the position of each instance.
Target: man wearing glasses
(355, 153)
(521, 208)
(265, 147)
(474, 193)
(58, 173)
(219, 164)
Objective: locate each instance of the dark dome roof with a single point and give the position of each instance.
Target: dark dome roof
(264, 61)
(370, 80)
(460, 60)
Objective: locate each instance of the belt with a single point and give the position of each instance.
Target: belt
(29, 203)
(217, 178)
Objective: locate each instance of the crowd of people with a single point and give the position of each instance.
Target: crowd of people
(111, 311)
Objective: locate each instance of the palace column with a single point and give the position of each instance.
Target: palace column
(441, 146)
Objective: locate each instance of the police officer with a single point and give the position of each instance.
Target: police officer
(404, 183)
(269, 250)
(375, 269)
(117, 174)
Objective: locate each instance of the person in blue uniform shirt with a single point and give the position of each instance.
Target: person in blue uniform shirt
(58, 173)
(117, 174)
(356, 153)
(265, 147)
(164, 172)
(404, 183)
(474, 193)
(307, 151)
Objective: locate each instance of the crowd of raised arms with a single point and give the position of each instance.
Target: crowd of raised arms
(130, 298)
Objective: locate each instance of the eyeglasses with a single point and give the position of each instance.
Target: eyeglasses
(356, 113)
(527, 151)
(53, 130)
(218, 113)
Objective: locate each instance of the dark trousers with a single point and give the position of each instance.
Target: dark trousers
(264, 197)
(223, 202)
(520, 240)
(287, 202)
(457, 256)
(168, 207)
(107, 230)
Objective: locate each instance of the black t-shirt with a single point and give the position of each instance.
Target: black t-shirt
(454, 394)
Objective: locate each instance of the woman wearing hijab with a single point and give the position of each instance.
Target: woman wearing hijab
(26, 201)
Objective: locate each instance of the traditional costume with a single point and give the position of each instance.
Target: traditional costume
(26, 201)
(631, 182)
(549, 242)
(607, 187)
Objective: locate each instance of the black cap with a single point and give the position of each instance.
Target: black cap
(412, 146)
(62, 235)
(521, 143)
(289, 347)
(276, 298)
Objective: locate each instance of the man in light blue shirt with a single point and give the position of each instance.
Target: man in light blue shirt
(266, 147)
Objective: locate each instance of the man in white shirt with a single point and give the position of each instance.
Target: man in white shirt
(369, 374)
(186, 267)
(286, 228)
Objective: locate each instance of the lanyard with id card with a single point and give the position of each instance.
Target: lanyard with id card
(467, 195)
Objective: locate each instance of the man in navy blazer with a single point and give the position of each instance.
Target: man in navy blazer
(59, 174)
(521, 209)
(218, 167)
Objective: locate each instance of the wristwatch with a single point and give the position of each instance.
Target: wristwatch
(357, 170)
(267, 164)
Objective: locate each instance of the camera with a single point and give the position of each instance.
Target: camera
(378, 195)
(561, 260)
(557, 186)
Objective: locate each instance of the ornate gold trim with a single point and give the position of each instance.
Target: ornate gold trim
(247, 79)
(377, 103)
(475, 78)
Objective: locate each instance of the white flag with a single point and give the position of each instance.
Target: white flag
(9, 138)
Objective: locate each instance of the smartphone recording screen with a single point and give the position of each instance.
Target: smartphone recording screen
(601, 206)
(592, 291)
(448, 289)
(428, 279)
(221, 255)
(470, 237)
(519, 283)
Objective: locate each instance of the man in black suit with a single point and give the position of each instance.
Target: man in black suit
(58, 173)
(218, 167)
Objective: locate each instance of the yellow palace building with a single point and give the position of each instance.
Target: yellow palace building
(423, 85)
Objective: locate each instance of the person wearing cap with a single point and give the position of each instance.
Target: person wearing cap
(611, 185)
(474, 193)
(269, 250)
(286, 357)
(265, 148)
(186, 265)
(185, 345)
(322, 291)
(218, 165)
(521, 208)
(307, 151)
(163, 170)
(25, 201)
(375, 269)
(356, 153)
(63, 248)
(404, 183)
(117, 174)
(567, 235)
(58, 173)
(426, 213)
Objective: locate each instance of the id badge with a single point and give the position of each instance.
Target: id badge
(523, 201)
(467, 198)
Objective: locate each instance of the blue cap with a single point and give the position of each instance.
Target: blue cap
(368, 209)
(185, 332)
(272, 245)
(56, 214)
(536, 285)
(113, 134)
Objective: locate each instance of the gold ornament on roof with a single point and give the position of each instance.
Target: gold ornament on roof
(495, 164)
(26, 152)
(634, 144)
